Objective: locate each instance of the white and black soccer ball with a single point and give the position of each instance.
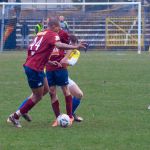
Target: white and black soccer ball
(63, 120)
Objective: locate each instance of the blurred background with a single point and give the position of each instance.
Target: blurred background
(104, 27)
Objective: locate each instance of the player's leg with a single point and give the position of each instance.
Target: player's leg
(35, 80)
(54, 104)
(25, 116)
(68, 99)
(53, 95)
(24, 101)
(61, 77)
(54, 101)
(77, 94)
(32, 101)
(46, 90)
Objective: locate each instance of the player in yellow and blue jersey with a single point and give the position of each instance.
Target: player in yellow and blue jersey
(75, 91)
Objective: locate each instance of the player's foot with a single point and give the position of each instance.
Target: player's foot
(8, 120)
(77, 118)
(149, 107)
(55, 123)
(27, 117)
(71, 120)
(14, 121)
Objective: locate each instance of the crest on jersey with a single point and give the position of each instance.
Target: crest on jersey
(57, 38)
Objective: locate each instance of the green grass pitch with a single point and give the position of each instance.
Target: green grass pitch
(116, 88)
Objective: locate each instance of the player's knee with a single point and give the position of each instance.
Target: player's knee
(52, 91)
(45, 91)
(52, 96)
(36, 97)
(39, 97)
(54, 100)
(79, 95)
(66, 93)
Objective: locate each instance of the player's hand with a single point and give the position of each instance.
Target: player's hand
(64, 62)
(83, 45)
(55, 63)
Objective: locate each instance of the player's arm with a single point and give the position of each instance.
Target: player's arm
(68, 54)
(73, 57)
(66, 58)
(64, 46)
(54, 63)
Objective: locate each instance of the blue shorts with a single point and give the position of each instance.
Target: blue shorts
(35, 78)
(57, 77)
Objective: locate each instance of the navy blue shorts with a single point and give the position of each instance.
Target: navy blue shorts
(57, 77)
(35, 78)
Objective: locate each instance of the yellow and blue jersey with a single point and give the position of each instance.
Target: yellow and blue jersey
(73, 57)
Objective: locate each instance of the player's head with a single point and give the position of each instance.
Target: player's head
(53, 25)
(61, 18)
(73, 39)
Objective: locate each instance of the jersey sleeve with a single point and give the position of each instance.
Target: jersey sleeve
(53, 39)
(73, 58)
(64, 37)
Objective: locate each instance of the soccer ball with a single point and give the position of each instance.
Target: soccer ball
(63, 120)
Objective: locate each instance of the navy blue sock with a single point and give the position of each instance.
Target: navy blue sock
(75, 104)
(22, 104)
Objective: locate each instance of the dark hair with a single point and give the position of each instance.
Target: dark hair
(73, 39)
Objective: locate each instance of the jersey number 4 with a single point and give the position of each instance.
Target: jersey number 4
(34, 46)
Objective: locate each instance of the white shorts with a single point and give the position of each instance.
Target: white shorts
(71, 82)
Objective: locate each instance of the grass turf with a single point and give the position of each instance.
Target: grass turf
(116, 88)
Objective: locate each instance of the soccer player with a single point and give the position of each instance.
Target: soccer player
(76, 92)
(38, 54)
(39, 27)
(54, 70)
(57, 75)
(63, 23)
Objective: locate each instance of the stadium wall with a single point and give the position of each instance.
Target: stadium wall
(92, 26)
